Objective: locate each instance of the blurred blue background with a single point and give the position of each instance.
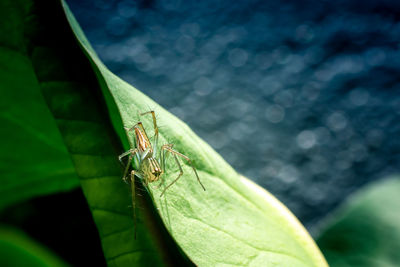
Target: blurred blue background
(300, 96)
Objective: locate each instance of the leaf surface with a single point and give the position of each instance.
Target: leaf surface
(17, 249)
(57, 131)
(234, 222)
(33, 158)
(365, 231)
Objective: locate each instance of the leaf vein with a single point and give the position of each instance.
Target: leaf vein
(109, 211)
(113, 258)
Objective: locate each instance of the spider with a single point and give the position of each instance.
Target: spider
(149, 167)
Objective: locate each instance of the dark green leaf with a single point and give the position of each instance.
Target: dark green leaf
(55, 129)
(17, 249)
(366, 230)
(33, 157)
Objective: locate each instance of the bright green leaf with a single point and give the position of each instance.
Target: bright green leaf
(233, 223)
(366, 230)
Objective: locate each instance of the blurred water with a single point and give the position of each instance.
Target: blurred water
(300, 96)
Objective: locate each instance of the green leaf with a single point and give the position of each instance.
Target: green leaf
(56, 130)
(17, 249)
(55, 118)
(33, 158)
(365, 231)
(234, 222)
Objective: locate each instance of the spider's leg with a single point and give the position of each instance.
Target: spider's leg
(176, 179)
(168, 147)
(131, 154)
(161, 161)
(133, 127)
(133, 198)
(126, 153)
